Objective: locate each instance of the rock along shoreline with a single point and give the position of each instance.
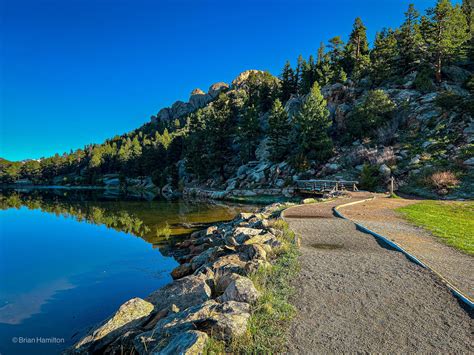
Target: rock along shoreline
(211, 294)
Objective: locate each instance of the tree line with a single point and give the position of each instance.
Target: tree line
(213, 141)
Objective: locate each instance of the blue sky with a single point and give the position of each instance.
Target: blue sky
(80, 71)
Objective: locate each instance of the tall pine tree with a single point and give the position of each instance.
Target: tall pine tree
(356, 56)
(287, 78)
(278, 132)
(409, 41)
(444, 31)
(311, 125)
(249, 133)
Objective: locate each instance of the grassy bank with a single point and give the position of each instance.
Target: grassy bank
(452, 222)
(266, 330)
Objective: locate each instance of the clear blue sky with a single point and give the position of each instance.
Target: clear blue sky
(74, 72)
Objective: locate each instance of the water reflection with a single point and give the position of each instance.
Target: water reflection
(68, 259)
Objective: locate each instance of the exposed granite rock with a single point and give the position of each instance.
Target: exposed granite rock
(130, 315)
(217, 88)
(241, 289)
(185, 292)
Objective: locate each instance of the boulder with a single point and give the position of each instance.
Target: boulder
(191, 342)
(252, 252)
(129, 316)
(385, 170)
(185, 292)
(241, 234)
(469, 162)
(181, 271)
(455, 73)
(223, 321)
(241, 289)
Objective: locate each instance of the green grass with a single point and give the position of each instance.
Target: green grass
(452, 222)
(267, 327)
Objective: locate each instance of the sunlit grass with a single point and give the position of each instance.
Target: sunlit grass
(452, 222)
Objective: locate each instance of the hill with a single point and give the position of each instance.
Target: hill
(402, 107)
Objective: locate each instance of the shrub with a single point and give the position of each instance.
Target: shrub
(449, 101)
(442, 181)
(470, 84)
(375, 109)
(369, 177)
(423, 81)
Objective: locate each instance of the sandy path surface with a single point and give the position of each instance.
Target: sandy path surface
(354, 295)
(379, 215)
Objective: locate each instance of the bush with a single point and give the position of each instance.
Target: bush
(442, 181)
(469, 84)
(369, 177)
(375, 109)
(424, 80)
(449, 101)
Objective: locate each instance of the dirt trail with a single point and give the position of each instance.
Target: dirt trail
(355, 295)
(380, 216)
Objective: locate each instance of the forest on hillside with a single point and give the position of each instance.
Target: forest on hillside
(213, 141)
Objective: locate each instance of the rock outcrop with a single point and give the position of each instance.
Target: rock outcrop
(211, 295)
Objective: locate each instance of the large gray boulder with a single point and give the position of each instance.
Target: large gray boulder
(241, 289)
(130, 315)
(456, 74)
(185, 292)
(191, 342)
(223, 321)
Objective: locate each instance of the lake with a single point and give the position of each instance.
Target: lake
(69, 258)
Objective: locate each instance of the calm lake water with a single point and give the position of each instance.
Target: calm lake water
(68, 259)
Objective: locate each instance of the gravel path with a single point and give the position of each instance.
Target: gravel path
(380, 216)
(354, 295)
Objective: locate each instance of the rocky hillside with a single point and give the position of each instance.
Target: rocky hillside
(402, 107)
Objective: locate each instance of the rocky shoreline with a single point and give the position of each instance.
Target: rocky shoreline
(211, 295)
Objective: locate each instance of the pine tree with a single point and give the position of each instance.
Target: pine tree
(278, 132)
(249, 133)
(220, 125)
(196, 146)
(384, 56)
(357, 50)
(320, 53)
(287, 82)
(444, 31)
(297, 79)
(336, 49)
(468, 10)
(308, 73)
(409, 41)
(311, 125)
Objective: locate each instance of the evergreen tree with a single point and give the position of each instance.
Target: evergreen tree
(336, 50)
(287, 78)
(375, 109)
(249, 133)
(308, 71)
(298, 70)
(278, 132)
(384, 56)
(444, 31)
(409, 41)
(196, 147)
(468, 10)
(220, 128)
(356, 56)
(311, 125)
